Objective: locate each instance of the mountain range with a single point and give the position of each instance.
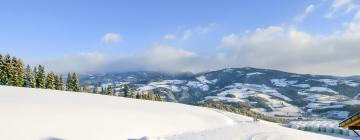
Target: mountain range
(271, 92)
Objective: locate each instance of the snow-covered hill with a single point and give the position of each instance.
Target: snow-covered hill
(48, 115)
(271, 92)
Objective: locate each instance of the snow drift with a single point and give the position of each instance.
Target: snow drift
(48, 114)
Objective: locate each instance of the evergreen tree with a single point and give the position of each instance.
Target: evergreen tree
(138, 96)
(95, 90)
(158, 98)
(75, 82)
(8, 70)
(28, 74)
(50, 81)
(102, 91)
(110, 91)
(133, 93)
(60, 85)
(69, 82)
(2, 70)
(56, 77)
(40, 77)
(19, 72)
(126, 91)
(34, 76)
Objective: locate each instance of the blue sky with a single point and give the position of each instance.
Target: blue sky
(115, 31)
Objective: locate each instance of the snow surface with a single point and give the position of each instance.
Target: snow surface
(48, 114)
(322, 89)
(196, 84)
(331, 82)
(282, 82)
(203, 80)
(301, 85)
(168, 84)
(253, 73)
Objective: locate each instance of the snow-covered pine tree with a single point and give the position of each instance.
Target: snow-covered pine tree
(50, 81)
(110, 91)
(8, 70)
(133, 93)
(40, 77)
(69, 83)
(2, 67)
(33, 81)
(19, 72)
(76, 84)
(60, 85)
(56, 77)
(28, 72)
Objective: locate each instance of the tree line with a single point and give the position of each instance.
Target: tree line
(14, 73)
(126, 92)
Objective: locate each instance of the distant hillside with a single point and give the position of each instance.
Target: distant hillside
(271, 92)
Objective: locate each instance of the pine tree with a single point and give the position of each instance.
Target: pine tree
(60, 85)
(56, 77)
(34, 76)
(76, 84)
(133, 93)
(110, 91)
(40, 77)
(158, 98)
(50, 81)
(28, 74)
(19, 72)
(126, 91)
(95, 90)
(138, 96)
(2, 70)
(8, 70)
(69, 82)
(102, 91)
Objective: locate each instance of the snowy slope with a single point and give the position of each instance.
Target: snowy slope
(47, 114)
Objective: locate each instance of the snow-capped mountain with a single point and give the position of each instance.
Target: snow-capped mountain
(271, 92)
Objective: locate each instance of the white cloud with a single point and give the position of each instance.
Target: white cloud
(81, 62)
(297, 51)
(299, 18)
(341, 6)
(111, 38)
(169, 37)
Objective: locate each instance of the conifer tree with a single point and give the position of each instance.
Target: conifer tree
(2, 68)
(8, 70)
(158, 98)
(102, 91)
(138, 96)
(28, 74)
(109, 91)
(126, 91)
(40, 77)
(50, 81)
(95, 90)
(56, 77)
(133, 93)
(69, 82)
(75, 82)
(60, 85)
(33, 85)
(19, 72)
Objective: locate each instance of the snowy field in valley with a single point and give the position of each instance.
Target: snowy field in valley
(46, 115)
